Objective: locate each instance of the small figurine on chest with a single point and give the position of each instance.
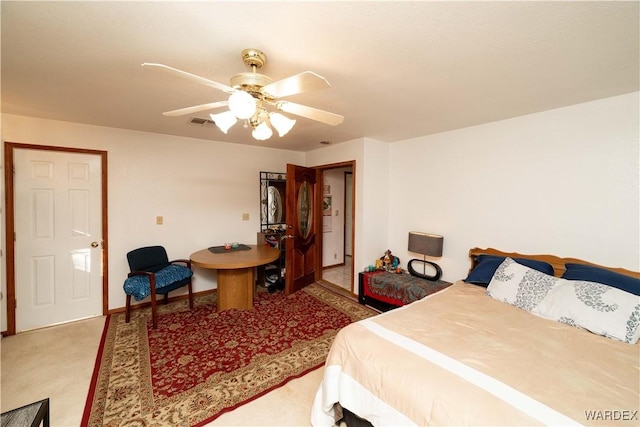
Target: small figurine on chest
(389, 261)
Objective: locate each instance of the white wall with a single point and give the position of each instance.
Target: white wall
(564, 182)
(200, 187)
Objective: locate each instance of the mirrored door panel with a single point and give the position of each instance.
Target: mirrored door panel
(273, 186)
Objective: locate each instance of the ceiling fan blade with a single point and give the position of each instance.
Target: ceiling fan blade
(196, 108)
(303, 82)
(310, 113)
(193, 77)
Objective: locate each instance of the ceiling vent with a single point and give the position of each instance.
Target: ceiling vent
(198, 121)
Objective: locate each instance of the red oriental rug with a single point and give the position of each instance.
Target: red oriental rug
(200, 363)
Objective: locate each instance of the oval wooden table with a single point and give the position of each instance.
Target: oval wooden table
(236, 280)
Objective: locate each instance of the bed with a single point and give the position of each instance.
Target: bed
(482, 354)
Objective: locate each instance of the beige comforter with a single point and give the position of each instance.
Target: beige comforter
(459, 357)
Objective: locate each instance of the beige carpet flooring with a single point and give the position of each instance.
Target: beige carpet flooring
(57, 363)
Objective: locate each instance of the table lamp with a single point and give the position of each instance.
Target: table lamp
(425, 244)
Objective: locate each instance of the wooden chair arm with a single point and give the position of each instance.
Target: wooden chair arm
(186, 261)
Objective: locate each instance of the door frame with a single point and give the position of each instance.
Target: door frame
(9, 184)
(322, 168)
(346, 174)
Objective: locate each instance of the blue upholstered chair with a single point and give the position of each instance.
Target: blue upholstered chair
(152, 273)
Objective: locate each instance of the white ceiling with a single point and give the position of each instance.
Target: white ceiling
(397, 69)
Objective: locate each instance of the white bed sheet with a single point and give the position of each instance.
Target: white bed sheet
(459, 357)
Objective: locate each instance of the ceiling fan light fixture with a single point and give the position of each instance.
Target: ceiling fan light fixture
(242, 104)
(249, 92)
(282, 123)
(224, 120)
(262, 132)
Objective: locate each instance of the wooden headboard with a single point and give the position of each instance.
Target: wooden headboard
(557, 263)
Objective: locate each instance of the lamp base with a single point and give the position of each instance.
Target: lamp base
(435, 266)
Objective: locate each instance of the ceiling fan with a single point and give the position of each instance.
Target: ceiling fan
(251, 93)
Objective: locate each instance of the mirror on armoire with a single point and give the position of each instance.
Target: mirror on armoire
(273, 186)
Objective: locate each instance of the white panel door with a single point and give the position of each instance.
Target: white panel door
(58, 246)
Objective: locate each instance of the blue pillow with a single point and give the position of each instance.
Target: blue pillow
(488, 264)
(590, 273)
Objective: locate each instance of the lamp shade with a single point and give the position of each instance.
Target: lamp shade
(224, 120)
(425, 243)
(262, 132)
(282, 124)
(242, 104)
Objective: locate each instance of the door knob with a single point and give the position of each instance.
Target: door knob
(94, 244)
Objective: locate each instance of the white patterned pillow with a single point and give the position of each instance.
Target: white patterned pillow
(601, 309)
(520, 285)
(598, 308)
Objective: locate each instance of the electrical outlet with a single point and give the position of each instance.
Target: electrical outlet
(335, 256)
(245, 217)
(159, 220)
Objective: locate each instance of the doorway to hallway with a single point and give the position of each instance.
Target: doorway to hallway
(337, 224)
(340, 275)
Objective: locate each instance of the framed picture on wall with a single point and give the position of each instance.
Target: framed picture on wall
(326, 214)
(326, 205)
